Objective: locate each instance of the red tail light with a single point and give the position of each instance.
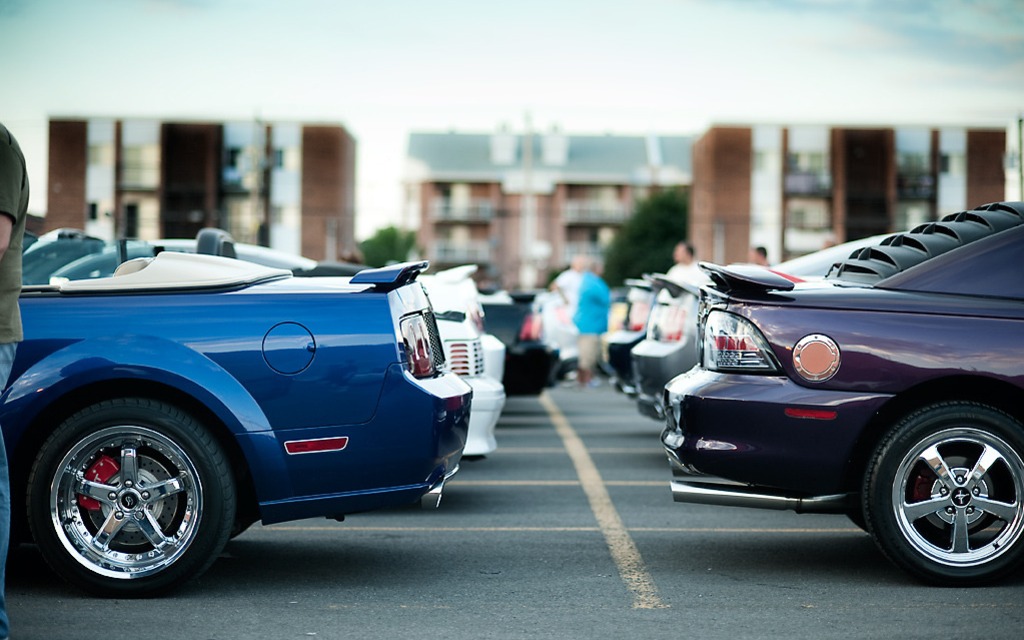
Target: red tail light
(532, 329)
(419, 347)
(638, 313)
(733, 344)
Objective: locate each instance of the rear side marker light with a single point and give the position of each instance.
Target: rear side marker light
(318, 445)
(810, 414)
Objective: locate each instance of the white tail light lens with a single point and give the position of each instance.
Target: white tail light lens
(419, 347)
(733, 344)
(668, 322)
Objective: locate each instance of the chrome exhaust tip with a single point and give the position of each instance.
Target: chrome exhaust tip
(432, 499)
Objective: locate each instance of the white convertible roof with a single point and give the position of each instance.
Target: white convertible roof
(177, 271)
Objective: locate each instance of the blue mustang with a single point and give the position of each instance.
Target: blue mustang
(156, 413)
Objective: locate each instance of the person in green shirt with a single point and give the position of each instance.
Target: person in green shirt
(13, 212)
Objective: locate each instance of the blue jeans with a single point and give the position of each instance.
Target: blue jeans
(6, 362)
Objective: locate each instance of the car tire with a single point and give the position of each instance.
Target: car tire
(129, 498)
(944, 494)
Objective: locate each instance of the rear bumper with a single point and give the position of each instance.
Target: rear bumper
(752, 431)
(529, 368)
(692, 487)
(488, 401)
(414, 441)
(654, 364)
(620, 358)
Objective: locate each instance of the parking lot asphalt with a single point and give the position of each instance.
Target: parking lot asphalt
(568, 530)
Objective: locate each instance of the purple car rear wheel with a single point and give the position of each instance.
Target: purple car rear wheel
(944, 495)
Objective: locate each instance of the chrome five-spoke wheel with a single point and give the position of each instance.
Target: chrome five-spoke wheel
(130, 497)
(126, 501)
(945, 497)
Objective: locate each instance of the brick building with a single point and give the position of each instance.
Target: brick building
(791, 189)
(522, 205)
(290, 186)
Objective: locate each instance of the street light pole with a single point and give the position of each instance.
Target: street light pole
(1020, 156)
(528, 216)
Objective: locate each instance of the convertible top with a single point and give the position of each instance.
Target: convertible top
(178, 272)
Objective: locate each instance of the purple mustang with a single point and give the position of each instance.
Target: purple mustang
(892, 392)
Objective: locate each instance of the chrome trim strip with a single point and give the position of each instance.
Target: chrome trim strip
(745, 496)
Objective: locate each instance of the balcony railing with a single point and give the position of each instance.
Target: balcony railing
(808, 184)
(479, 210)
(139, 178)
(471, 251)
(590, 249)
(915, 186)
(591, 212)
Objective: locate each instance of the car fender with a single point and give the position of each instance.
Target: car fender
(136, 357)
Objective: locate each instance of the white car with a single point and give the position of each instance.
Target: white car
(559, 330)
(477, 357)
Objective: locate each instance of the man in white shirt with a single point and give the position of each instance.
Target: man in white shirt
(685, 269)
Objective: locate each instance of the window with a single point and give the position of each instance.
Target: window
(954, 164)
(913, 163)
(131, 220)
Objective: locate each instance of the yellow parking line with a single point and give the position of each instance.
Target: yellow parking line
(553, 483)
(278, 527)
(559, 450)
(532, 450)
(714, 530)
(624, 551)
(514, 483)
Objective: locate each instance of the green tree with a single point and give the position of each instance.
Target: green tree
(645, 242)
(388, 245)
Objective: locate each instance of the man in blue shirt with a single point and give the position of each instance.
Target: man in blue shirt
(591, 320)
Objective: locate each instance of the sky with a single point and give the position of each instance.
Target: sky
(387, 68)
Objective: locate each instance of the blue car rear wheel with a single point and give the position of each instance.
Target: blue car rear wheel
(130, 497)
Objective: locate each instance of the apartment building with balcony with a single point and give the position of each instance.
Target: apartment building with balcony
(522, 205)
(791, 189)
(290, 186)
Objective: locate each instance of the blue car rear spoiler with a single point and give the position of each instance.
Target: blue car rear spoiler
(392, 276)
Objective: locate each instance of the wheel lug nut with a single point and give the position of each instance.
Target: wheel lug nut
(112, 495)
(145, 495)
(950, 510)
(129, 483)
(959, 479)
(944, 491)
(119, 515)
(977, 491)
(970, 510)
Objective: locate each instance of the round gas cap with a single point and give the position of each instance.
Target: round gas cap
(816, 357)
(289, 348)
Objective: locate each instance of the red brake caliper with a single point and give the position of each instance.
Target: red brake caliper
(101, 471)
(922, 488)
